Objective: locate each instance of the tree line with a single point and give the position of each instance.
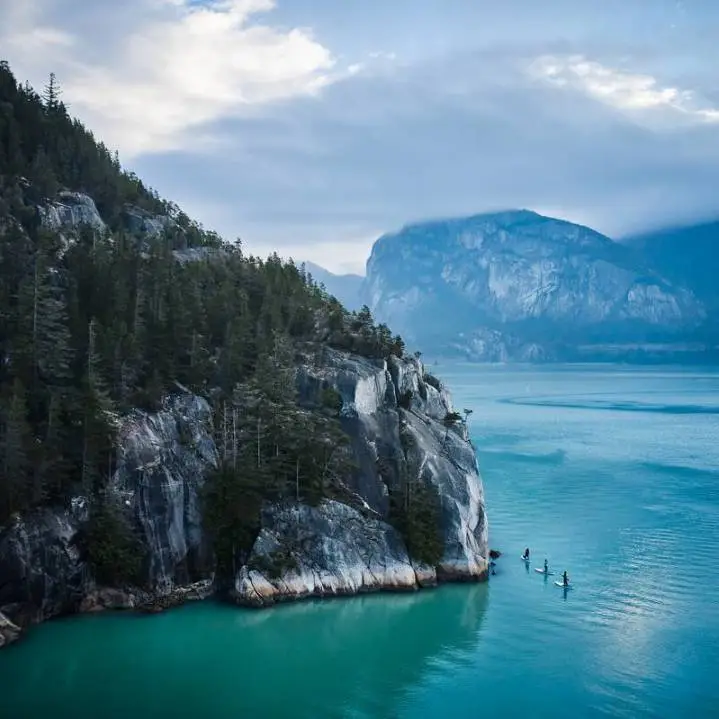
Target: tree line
(94, 323)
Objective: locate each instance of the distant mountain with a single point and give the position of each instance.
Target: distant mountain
(346, 288)
(516, 285)
(687, 255)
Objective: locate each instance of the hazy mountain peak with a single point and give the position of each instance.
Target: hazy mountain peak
(517, 283)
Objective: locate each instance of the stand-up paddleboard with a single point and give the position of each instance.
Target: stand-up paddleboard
(562, 585)
(541, 571)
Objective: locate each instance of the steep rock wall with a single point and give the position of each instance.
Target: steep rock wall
(163, 458)
(337, 548)
(340, 550)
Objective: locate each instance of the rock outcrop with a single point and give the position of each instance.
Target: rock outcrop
(519, 286)
(71, 210)
(9, 632)
(162, 461)
(141, 221)
(337, 547)
(163, 458)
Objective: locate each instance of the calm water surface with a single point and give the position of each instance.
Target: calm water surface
(610, 473)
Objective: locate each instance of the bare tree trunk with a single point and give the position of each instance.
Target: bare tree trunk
(224, 431)
(34, 321)
(259, 421)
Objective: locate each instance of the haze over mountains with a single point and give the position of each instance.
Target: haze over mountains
(518, 286)
(346, 288)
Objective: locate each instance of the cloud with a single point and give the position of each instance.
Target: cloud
(626, 91)
(471, 133)
(22, 30)
(182, 65)
(312, 142)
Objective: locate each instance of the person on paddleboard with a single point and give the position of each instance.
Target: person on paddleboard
(546, 567)
(526, 553)
(565, 578)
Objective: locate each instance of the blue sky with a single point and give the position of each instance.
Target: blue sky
(312, 126)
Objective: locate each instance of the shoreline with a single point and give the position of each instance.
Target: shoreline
(108, 600)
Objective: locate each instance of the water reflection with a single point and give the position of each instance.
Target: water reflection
(347, 657)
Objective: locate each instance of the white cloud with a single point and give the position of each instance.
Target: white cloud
(631, 93)
(182, 65)
(22, 30)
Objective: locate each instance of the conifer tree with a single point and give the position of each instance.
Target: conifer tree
(96, 323)
(16, 448)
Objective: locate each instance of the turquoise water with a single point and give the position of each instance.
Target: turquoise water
(610, 473)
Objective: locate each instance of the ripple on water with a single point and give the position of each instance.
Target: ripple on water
(627, 503)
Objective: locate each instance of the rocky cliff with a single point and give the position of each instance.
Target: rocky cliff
(342, 549)
(517, 285)
(161, 461)
(337, 547)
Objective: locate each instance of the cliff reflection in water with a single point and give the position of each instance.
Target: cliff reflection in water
(347, 657)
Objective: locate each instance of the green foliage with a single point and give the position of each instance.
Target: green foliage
(451, 418)
(111, 546)
(275, 564)
(232, 500)
(415, 507)
(271, 449)
(331, 399)
(357, 333)
(405, 399)
(416, 513)
(95, 323)
(16, 449)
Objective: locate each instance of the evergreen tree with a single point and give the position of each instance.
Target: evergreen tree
(95, 323)
(16, 449)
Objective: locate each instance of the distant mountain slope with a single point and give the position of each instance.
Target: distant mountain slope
(346, 288)
(518, 285)
(688, 255)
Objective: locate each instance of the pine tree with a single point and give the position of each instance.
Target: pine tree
(55, 468)
(99, 417)
(16, 448)
(93, 323)
(51, 93)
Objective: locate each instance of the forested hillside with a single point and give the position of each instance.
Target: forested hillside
(97, 321)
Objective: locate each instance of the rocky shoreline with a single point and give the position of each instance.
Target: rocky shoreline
(395, 415)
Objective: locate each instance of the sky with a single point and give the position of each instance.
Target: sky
(311, 127)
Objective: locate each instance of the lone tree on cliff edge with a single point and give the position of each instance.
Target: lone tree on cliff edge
(51, 93)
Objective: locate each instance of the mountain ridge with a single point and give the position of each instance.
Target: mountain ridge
(180, 419)
(518, 285)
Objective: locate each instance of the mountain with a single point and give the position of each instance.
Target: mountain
(516, 285)
(178, 419)
(688, 255)
(346, 288)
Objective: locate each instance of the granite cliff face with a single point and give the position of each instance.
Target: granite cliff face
(162, 459)
(339, 548)
(517, 285)
(343, 549)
